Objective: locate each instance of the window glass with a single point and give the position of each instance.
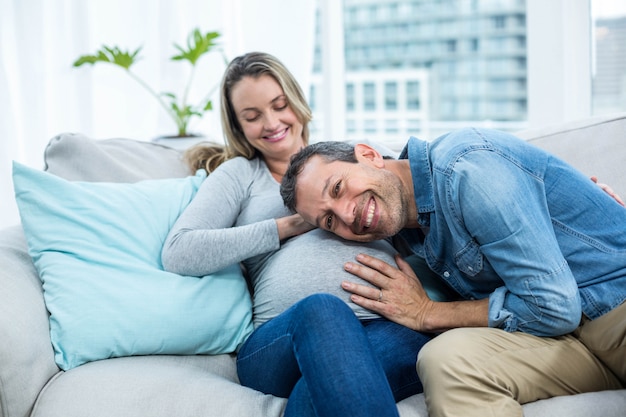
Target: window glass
(609, 56)
(413, 95)
(313, 98)
(369, 96)
(391, 95)
(391, 126)
(350, 97)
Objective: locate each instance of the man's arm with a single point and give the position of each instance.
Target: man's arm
(404, 300)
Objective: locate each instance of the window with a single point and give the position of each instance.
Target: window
(391, 126)
(369, 96)
(609, 60)
(370, 126)
(351, 126)
(312, 98)
(499, 22)
(414, 126)
(391, 95)
(473, 45)
(350, 104)
(508, 64)
(413, 95)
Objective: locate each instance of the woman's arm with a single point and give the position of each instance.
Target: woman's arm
(207, 237)
(291, 226)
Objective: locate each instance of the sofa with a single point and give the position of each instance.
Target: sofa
(192, 385)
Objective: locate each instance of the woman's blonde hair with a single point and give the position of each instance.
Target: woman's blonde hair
(252, 64)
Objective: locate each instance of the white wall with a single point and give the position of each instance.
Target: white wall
(41, 94)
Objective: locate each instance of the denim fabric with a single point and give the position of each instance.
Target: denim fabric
(328, 363)
(513, 223)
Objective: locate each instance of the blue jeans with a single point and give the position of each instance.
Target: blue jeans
(328, 363)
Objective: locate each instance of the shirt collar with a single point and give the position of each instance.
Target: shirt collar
(416, 151)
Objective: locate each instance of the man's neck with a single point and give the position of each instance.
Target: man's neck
(402, 168)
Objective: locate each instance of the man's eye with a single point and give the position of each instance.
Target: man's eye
(329, 222)
(337, 188)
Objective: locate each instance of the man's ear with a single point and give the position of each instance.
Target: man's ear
(369, 155)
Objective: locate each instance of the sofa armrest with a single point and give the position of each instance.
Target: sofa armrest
(26, 353)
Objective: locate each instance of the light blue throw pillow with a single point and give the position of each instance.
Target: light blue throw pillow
(97, 248)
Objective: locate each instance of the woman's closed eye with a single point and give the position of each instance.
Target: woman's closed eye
(281, 103)
(250, 116)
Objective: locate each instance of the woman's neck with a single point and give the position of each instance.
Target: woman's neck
(277, 168)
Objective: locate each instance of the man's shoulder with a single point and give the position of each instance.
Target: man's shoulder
(460, 140)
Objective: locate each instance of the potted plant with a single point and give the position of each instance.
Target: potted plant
(179, 109)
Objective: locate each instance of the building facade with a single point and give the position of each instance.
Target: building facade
(423, 67)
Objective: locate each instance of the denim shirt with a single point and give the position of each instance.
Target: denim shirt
(508, 221)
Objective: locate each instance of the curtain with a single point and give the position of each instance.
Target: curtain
(42, 94)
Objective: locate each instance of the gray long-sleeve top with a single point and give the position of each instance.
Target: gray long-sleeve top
(231, 220)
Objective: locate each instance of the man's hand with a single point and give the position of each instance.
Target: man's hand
(401, 298)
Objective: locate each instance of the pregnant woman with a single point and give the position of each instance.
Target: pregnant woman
(311, 345)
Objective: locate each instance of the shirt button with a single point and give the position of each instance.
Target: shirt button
(446, 274)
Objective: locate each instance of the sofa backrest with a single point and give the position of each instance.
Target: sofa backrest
(77, 157)
(596, 146)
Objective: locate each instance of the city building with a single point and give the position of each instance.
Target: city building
(422, 67)
(609, 81)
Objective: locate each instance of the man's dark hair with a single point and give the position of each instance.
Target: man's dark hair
(329, 151)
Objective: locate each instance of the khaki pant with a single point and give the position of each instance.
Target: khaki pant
(486, 372)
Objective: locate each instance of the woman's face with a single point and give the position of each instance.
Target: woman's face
(266, 118)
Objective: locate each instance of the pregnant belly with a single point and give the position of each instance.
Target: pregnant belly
(308, 264)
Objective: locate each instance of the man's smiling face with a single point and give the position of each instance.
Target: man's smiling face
(357, 201)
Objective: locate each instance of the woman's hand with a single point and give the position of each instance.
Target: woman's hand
(293, 225)
(608, 190)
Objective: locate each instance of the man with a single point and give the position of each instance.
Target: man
(535, 249)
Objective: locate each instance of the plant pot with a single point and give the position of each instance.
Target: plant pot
(179, 142)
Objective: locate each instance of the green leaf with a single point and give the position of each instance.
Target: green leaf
(198, 44)
(112, 55)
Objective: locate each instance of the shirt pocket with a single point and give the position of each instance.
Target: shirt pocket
(469, 260)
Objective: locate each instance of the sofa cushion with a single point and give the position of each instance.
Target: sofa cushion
(155, 386)
(77, 157)
(97, 249)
